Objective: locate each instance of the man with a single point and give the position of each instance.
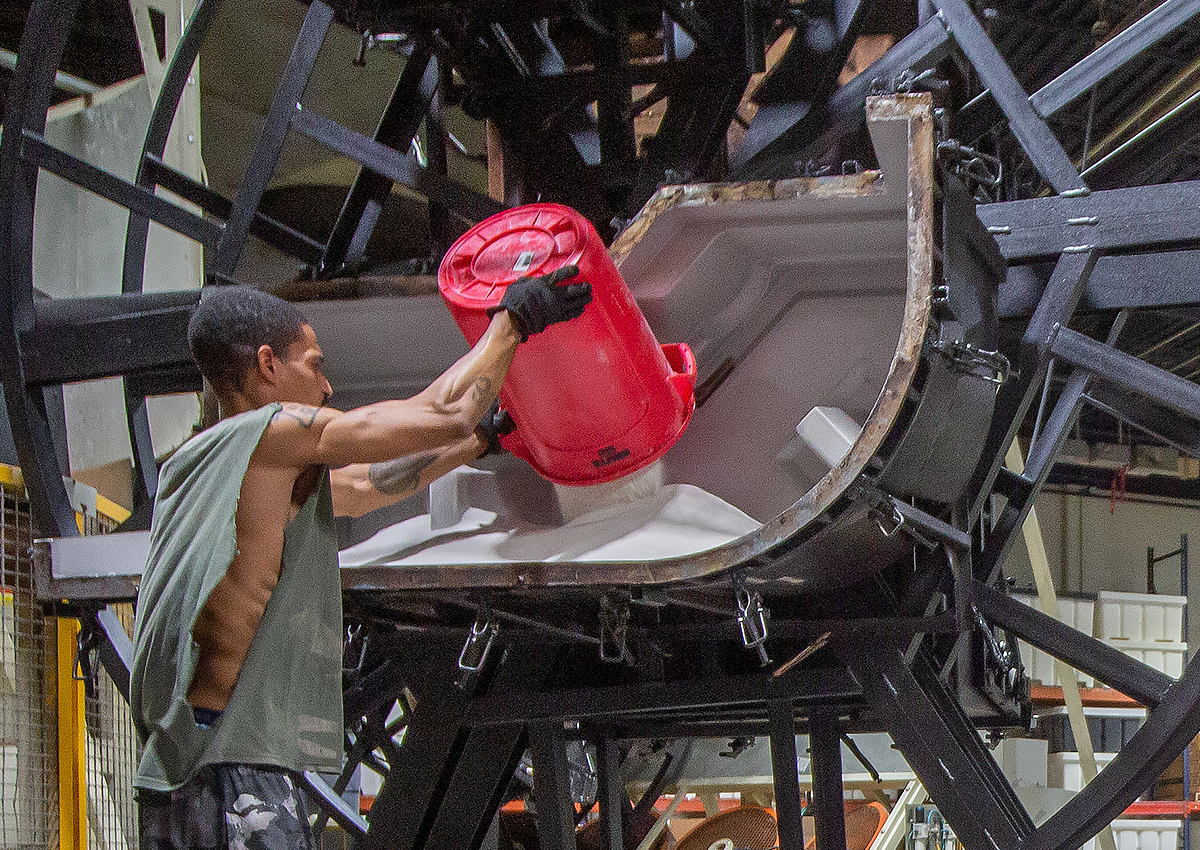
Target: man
(236, 681)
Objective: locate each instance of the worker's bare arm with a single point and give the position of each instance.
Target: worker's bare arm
(443, 414)
(364, 487)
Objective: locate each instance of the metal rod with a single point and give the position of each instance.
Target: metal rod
(788, 806)
(62, 80)
(825, 739)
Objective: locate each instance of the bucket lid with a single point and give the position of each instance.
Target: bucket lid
(525, 241)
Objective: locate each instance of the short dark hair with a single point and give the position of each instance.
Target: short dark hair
(230, 324)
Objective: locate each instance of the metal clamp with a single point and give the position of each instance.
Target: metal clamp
(87, 648)
(975, 167)
(990, 365)
(614, 632)
(752, 620)
(479, 643)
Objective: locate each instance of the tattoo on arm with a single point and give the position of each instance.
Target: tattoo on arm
(481, 390)
(397, 476)
(303, 414)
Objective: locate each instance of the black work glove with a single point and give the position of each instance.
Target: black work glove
(538, 302)
(494, 424)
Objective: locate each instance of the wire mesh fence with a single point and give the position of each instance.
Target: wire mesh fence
(28, 699)
(110, 756)
(29, 712)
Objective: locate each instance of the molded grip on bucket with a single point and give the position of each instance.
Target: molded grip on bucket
(683, 367)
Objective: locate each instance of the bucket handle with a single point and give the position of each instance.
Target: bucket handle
(683, 370)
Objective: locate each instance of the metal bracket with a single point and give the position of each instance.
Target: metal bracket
(976, 168)
(990, 365)
(893, 516)
(479, 641)
(87, 648)
(614, 632)
(752, 619)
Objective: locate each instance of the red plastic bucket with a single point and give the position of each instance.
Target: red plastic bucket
(595, 398)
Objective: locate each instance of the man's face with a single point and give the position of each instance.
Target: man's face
(299, 377)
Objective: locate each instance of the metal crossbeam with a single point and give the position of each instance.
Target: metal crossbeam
(1057, 305)
(275, 233)
(825, 740)
(1165, 216)
(982, 113)
(270, 144)
(1093, 657)
(400, 121)
(552, 785)
(788, 806)
(463, 202)
(1127, 371)
(1043, 149)
(79, 339)
(1114, 54)
(37, 151)
(1167, 732)
(941, 744)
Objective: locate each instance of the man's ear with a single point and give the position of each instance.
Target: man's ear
(266, 363)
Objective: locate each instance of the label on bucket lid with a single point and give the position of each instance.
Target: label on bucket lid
(529, 240)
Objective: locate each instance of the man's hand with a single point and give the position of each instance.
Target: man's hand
(535, 303)
(494, 424)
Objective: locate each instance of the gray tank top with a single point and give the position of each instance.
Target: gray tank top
(286, 709)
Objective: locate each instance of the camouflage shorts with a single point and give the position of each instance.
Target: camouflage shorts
(226, 807)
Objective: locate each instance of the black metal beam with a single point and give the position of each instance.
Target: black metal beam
(43, 40)
(1056, 306)
(1134, 410)
(414, 789)
(825, 741)
(614, 804)
(1164, 216)
(787, 133)
(552, 785)
(1039, 143)
(80, 339)
(1156, 279)
(115, 649)
(333, 805)
(270, 144)
(982, 113)
(1127, 371)
(691, 695)
(1084, 653)
(943, 747)
(399, 123)
(788, 805)
(275, 233)
(1113, 55)
(37, 151)
(1167, 732)
(467, 204)
(482, 774)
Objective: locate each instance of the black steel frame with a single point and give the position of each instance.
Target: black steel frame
(463, 743)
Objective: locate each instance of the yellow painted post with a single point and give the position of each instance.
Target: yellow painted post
(72, 788)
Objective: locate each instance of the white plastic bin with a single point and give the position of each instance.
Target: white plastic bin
(1064, 771)
(1079, 614)
(1143, 835)
(1110, 728)
(1139, 616)
(1169, 658)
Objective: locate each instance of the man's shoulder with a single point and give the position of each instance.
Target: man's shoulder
(223, 432)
